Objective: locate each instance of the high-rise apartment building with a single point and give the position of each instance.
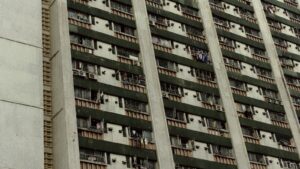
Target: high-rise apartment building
(150, 84)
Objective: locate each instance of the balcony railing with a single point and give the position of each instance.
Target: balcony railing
(92, 162)
(275, 28)
(162, 48)
(126, 37)
(283, 124)
(226, 47)
(218, 132)
(192, 17)
(196, 37)
(173, 96)
(254, 37)
(266, 78)
(286, 66)
(134, 87)
(239, 91)
(297, 107)
(128, 61)
(80, 23)
(296, 20)
(85, 2)
(257, 165)
(182, 151)
(176, 123)
(294, 87)
(87, 103)
(207, 82)
(251, 139)
(154, 4)
(82, 48)
(166, 71)
(218, 7)
(141, 143)
(160, 25)
(244, 115)
(289, 148)
(260, 57)
(248, 18)
(232, 68)
(212, 106)
(122, 13)
(96, 134)
(281, 47)
(224, 159)
(291, 3)
(221, 26)
(137, 114)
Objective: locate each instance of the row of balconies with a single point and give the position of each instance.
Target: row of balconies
(233, 10)
(293, 3)
(92, 159)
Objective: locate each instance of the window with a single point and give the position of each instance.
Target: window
(161, 41)
(237, 84)
(166, 64)
(91, 155)
(205, 75)
(86, 94)
(193, 31)
(209, 98)
(90, 68)
(258, 158)
(170, 88)
(126, 52)
(189, 11)
(124, 29)
(223, 151)
(79, 40)
(263, 72)
(180, 142)
(157, 19)
(78, 16)
(135, 105)
(270, 94)
(249, 132)
(276, 116)
(130, 78)
(175, 114)
(121, 7)
(216, 124)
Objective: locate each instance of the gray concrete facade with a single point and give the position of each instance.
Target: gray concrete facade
(21, 88)
(277, 72)
(65, 138)
(159, 122)
(232, 118)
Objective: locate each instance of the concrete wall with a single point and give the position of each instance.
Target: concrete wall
(65, 138)
(21, 103)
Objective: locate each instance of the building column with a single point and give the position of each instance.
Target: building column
(65, 138)
(147, 56)
(232, 118)
(283, 88)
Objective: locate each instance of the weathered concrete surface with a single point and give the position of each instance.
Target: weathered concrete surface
(224, 87)
(159, 122)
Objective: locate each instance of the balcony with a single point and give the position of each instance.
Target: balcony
(85, 2)
(251, 139)
(282, 124)
(238, 91)
(272, 100)
(196, 37)
(166, 71)
(275, 28)
(295, 20)
(162, 48)
(287, 66)
(259, 57)
(154, 3)
(80, 23)
(212, 106)
(92, 133)
(226, 47)
(176, 123)
(297, 107)
(137, 114)
(294, 87)
(207, 82)
(218, 132)
(87, 103)
(224, 159)
(182, 151)
(218, 7)
(254, 37)
(190, 16)
(248, 18)
(257, 165)
(281, 47)
(266, 78)
(126, 37)
(141, 143)
(82, 48)
(159, 25)
(127, 60)
(134, 87)
(122, 13)
(92, 162)
(232, 68)
(291, 3)
(290, 148)
(222, 26)
(172, 96)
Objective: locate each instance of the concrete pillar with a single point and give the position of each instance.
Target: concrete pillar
(159, 122)
(277, 72)
(21, 88)
(65, 138)
(232, 118)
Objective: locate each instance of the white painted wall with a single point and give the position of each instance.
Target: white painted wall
(21, 90)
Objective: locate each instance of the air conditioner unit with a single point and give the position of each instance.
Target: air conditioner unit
(165, 95)
(92, 76)
(82, 73)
